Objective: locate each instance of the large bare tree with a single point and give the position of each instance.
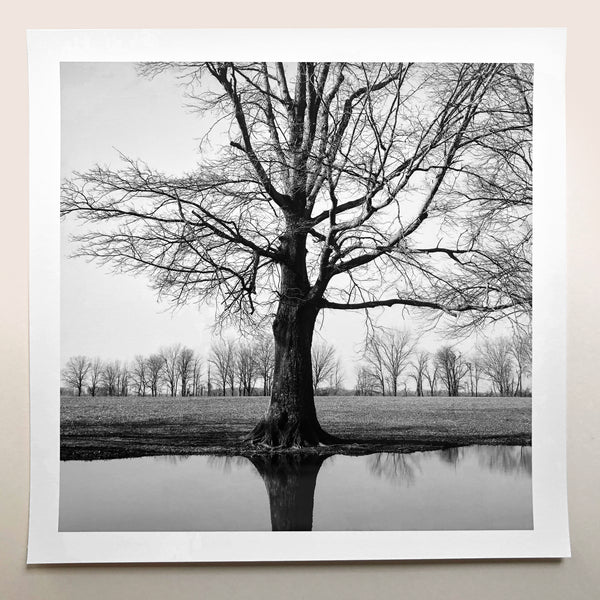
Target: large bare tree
(329, 186)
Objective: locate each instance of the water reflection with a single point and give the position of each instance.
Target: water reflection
(290, 481)
(399, 468)
(226, 464)
(403, 469)
(451, 455)
(474, 487)
(507, 459)
(172, 459)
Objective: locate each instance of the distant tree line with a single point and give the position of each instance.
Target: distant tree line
(392, 365)
(176, 370)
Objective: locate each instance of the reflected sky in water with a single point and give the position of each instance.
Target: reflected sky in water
(474, 487)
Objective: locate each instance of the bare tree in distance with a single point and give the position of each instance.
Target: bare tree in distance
(332, 177)
(451, 369)
(185, 363)
(170, 357)
(208, 382)
(521, 350)
(375, 363)
(76, 371)
(110, 377)
(474, 373)
(197, 376)
(419, 369)
(155, 364)
(247, 368)
(386, 351)
(431, 374)
(139, 374)
(265, 358)
(497, 363)
(222, 357)
(364, 380)
(397, 347)
(231, 373)
(336, 379)
(323, 363)
(123, 379)
(95, 377)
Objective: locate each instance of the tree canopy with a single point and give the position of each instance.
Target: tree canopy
(407, 184)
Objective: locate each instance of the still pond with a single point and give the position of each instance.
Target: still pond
(473, 487)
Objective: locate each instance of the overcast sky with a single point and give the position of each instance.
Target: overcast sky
(106, 109)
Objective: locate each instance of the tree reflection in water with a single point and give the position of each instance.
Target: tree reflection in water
(404, 468)
(451, 456)
(172, 459)
(398, 468)
(226, 463)
(290, 480)
(507, 459)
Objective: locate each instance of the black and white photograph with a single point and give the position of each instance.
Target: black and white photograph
(296, 296)
(295, 300)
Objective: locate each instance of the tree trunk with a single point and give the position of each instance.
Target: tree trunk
(291, 420)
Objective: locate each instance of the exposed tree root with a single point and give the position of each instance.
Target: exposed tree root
(279, 432)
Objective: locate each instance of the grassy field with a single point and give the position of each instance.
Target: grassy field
(93, 428)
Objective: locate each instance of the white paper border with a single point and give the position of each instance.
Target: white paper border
(543, 47)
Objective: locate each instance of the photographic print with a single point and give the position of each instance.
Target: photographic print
(296, 297)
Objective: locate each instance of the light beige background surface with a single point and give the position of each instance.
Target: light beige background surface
(575, 578)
